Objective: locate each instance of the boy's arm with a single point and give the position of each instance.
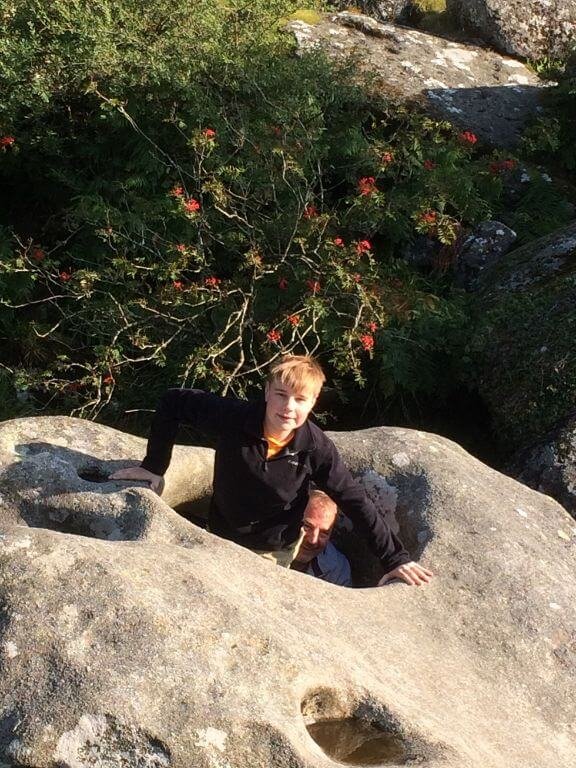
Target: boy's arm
(334, 478)
(207, 412)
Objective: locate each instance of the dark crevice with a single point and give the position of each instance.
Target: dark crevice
(93, 474)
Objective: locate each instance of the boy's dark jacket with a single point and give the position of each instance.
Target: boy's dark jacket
(258, 502)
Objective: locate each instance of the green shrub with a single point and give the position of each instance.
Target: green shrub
(187, 200)
(551, 138)
(524, 358)
(258, 264)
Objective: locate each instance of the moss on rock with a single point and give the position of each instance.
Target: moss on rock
(524, 346)
(307, 15)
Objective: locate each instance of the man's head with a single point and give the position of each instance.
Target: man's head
(319, 518)
(293, 385)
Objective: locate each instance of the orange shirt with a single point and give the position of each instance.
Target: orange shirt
(275, 446)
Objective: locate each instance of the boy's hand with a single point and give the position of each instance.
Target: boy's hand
(139, 473)
(412, 573)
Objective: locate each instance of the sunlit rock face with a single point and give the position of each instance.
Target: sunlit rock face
(131, 637)
(473, 87)
(526, 28)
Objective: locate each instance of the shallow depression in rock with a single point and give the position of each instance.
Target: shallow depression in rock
(93, 474)
(355, 742)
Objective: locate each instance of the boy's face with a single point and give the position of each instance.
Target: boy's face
(287, 408)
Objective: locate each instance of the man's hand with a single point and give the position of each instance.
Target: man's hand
(412, 573)
(139, 473)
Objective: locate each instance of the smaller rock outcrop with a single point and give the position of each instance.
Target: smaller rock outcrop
(472, 252)
(527, 28)
(524, 339)
(473, 87)
(480, 249)
(550, 466)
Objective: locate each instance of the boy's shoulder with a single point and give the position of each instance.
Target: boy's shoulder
(319, 440)
(316, 432)
(210, 411)
(244, 414)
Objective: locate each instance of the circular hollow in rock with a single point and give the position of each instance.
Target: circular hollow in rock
(93, 474)
(353, 741)
(355, 732)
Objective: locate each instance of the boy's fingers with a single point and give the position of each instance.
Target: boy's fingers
(425, 575)
(424, 579)
(139, 473)
(420, 571)
(128, 473)
(415, 578)
(411, 573)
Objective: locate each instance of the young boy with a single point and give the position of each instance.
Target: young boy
(267, 455)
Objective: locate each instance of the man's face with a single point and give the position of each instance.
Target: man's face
(319, 519)
(286, 408)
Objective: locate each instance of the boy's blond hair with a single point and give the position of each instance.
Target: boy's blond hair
(300, 372)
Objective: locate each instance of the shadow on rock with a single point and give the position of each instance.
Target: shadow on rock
(402, 500)
(66, 490)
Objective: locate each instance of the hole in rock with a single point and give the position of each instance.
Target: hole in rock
(194, 510)
(32, 449)
(93, 474)
(360, 732)
(355, 742)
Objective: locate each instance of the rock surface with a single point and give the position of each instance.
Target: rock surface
(550, 466)
(421, 252)
(131, 638)
(527, 28)
(472, 87)
(473, 251)
(481, 249)
(524, 339)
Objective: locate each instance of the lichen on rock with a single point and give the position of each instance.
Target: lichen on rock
(466, 84)
(526, 28)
